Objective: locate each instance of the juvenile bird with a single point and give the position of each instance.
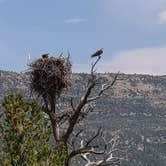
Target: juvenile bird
(98, 53)
(45, 55)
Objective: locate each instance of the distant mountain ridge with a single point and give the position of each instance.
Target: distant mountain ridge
(132, 94)
(136, 105)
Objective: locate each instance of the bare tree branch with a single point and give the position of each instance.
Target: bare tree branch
(108, 155)
(73, 120)
(71, 103)
(108, 158)
(104, 88)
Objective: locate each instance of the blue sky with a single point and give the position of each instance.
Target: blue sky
(132, 33)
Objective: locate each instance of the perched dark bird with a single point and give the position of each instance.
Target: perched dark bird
(45, 55)
(98, 53)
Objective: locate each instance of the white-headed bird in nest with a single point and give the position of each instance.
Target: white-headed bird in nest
(98, 53)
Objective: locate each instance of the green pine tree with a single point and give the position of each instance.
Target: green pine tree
(25, 134)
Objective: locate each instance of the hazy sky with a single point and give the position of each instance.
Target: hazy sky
(132, 33)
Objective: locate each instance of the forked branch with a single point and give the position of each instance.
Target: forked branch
(106, 152)
(83, 101)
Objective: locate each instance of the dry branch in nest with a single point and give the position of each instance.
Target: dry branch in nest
(50, 75)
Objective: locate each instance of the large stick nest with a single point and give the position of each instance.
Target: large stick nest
(50, 75)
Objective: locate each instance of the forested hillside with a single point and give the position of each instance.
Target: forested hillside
(135, 106)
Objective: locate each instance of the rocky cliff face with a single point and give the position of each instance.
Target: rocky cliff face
(136, 106)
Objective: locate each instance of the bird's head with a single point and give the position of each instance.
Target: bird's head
(45, 55)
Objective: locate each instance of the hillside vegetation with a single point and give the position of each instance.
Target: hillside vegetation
(135, 106)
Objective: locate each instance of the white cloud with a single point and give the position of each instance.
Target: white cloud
(162, 17)
(141, 61)
(140, 12)
(75, 20)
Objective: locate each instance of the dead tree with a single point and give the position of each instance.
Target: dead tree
(108, 151)
(49, 77)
